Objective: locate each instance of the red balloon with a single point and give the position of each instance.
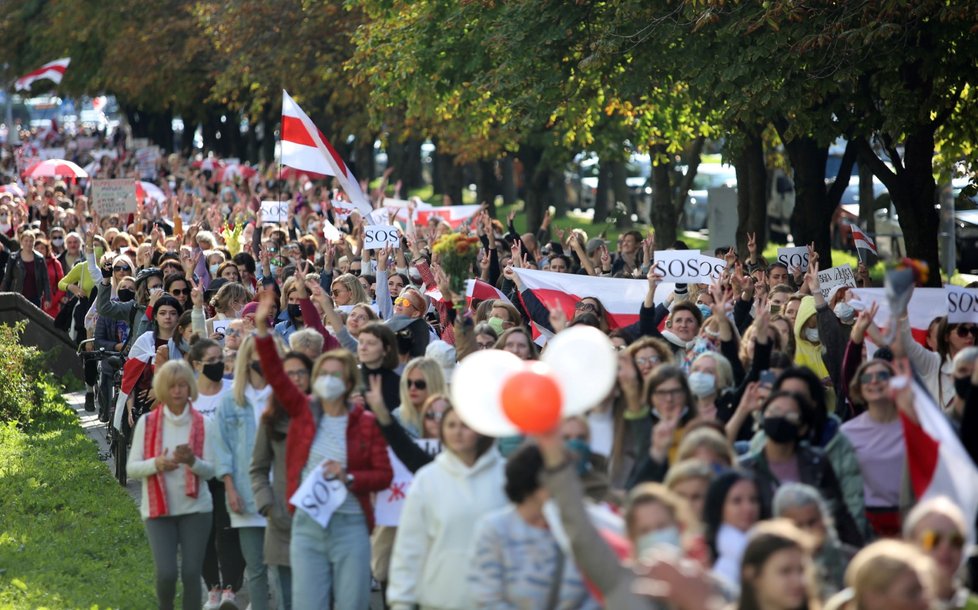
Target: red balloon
(532, 401)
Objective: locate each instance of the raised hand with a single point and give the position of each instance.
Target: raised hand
(863, 321)
(662, 436)
(811, 278)
(752, 246)
(196, 293)
(266, 305)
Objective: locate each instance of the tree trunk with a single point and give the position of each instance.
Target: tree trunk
(558, 193)
(537, 185)
(620, 195)
(664, 213)
(451, 178)
(187, 137)
(812, 217)
(867, 200)
(601, 208)
(487, 186)
(508, 180)
(751, 194)
(270, 121)
(362, 161)
(405, 158)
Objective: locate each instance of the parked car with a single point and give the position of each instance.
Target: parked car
(582, 182)
(696, 207)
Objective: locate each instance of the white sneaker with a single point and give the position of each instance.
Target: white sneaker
(227, 600)
(213, 599)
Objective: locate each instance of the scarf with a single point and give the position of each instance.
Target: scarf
(153, 446)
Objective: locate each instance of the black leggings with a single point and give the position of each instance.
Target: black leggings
(223, 562)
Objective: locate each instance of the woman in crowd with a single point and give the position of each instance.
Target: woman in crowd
(889, 575)
(877, 437)
(237, 419)
(27, 273)
(327, 431)
(268, 475)
(55, 273)
(516, 561)
(517, 340)
(485, 336)
(377, 354)
(430, 558)
(228, 302)
(936, 368)
(347, 291)
(172, 454)
(806, 508)
(690, 480)
(668, 407)
(706, 443)
(648, 353)
(938, 528)
(733, 506)
(774, 573)
(421, 378)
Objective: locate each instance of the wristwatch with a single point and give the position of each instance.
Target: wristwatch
(349, 480)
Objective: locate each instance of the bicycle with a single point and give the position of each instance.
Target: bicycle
(117, 441)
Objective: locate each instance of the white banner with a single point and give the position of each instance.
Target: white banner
(274, 211)
(390, 502)
(962, 305)
(379, 236)
(836, 276)
(114, 196)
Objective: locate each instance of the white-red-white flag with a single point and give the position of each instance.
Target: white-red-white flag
(861, 240)
(53, 71)
(305, 148)
(940, 465)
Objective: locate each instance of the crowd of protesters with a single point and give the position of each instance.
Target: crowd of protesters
(749, 455)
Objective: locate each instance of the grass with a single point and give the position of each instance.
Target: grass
(70, 536)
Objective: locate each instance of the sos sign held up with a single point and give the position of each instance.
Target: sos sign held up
(687, 266)
(794, 258)
(962, 305)
(379, 236)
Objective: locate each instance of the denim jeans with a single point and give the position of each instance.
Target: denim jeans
(330, 563)
(256, 572)
(284, 586)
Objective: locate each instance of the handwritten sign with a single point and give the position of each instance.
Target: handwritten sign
(962, 305)
(274, 211)
(688, 266)
(221, 326)
(114, 196)
(836, 276)
(794, 258)
(318, 497)
(390, 502)
(378, 236)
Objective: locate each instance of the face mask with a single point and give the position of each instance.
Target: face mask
(327, 387)
(962, 387)
(702, 383)
(845, 312)
(256, 367)
(126, 295)
(667, 536)
(57, 242)
(705, 310)
(496, 324)
(213, 270)
(273, 269)
(811, 334)
(214, 371)
(780, 429)
(583, 452)
(4, 227)
(294, 311)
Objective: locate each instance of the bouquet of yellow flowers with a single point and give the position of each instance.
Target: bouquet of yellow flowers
(232, 237)
(457, 255)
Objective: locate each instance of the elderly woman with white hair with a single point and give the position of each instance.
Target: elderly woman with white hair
(806, 508)
(938, 528)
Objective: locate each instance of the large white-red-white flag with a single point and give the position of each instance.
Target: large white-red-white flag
(939, 464)
(305, 148)
(53, 71)
(861, 240)
(925, 305)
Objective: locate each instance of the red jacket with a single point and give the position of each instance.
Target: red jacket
(366, 450)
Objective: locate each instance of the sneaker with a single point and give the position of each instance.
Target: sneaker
(213, 599)
(89, 401)
(227, 600)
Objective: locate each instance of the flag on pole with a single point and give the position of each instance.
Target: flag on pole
(53, 71)
(305, 148)
(940, 465)
(861, 240)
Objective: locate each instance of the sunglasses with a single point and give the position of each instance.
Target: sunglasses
(877, 376)
(403, 302)
(177, 292)
(931, 539)
(122, 268)
(965, 330)
(420, 384)
(582, 306)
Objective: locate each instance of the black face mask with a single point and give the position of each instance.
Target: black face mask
(780, 429)
(256, 367)
(294, 312)
(126, 295)
(213, 371)
(962, 387)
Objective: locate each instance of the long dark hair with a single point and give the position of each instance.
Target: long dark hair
(767, 539)
(820, 414)
(716, 498)
(275, 412)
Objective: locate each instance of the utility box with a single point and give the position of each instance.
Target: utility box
(722, 219)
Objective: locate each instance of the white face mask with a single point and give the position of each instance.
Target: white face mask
(327, 387)
(702, 383)
(668, 537)
(845, 312)
(811, 334)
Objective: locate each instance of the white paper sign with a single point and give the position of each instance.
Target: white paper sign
(114, 196)
(318, 497)
(390, 502)
(962, 305)
(836, 276)
(717, 266)
(380, 216)
(330, 233)
(378, 236)
(688, 266)
(146, 159)
(221, 326)
(274, 211)
(794, 258)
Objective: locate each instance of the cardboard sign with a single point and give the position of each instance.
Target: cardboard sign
(962, 305)
(274, 211)
(318, 497)
(836, 276)
(794, 258)
(114, 196)
(379, 236)
(390, 502)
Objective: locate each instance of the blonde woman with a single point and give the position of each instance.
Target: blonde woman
(888, 575)
(228, 303)
(237, 422)
(347, 290)
(421, 378)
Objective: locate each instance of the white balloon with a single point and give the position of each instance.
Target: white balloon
(476, 387)
(585, 364)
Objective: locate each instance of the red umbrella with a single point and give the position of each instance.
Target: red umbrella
(53, 168)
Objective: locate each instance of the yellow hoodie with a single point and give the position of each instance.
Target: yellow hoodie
(809, 354)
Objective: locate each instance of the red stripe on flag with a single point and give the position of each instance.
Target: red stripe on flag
(924, 453)
(568, 302)
(336, 157)
(294, 131)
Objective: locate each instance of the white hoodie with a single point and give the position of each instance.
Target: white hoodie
(430, 563)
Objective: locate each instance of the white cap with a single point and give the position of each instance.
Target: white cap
(444, 354)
